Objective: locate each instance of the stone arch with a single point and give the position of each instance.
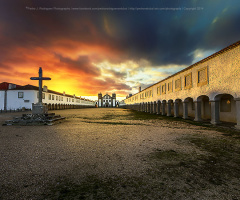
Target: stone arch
(223, 108)
(154, 107)
(170, 110)
(148, 107)
(202, 108)
(178, 108)
(188, 108)
(49, 106)
(151, 107)
(164, 107)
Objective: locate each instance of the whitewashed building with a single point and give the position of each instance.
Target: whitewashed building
(107, 100)
(206, 90)
(15, 97)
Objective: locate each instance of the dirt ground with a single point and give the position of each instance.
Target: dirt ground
(113, 153)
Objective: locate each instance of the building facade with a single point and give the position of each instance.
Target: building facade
(107, 100)
(206, 90)
(15, 97)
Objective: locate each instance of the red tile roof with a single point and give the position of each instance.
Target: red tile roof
(5, 85)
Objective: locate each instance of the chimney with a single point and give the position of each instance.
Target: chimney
(140, 89)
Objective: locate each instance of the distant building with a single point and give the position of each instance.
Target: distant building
(107, 100)
(13, 97)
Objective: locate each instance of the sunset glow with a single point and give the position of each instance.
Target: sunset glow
(87, 52)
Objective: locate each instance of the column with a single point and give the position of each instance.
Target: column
(198, 117)
(158, 107)
(238, 112)
(176, 109)
(215, 115)
(185, 110)
(163, 108)
(169, 109)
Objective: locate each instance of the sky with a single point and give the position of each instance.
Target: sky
(92, 46)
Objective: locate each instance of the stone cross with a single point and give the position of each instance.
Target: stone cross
(40, 78)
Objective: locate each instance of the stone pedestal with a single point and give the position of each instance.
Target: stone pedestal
(39, 108)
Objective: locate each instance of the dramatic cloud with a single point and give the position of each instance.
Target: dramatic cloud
(99, 46)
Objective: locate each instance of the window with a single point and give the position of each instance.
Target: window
(56, 97)
(202, 76)
(178, 84)
(164, 89)
(43, 95)
(170, 87)
(52, 97)
(72, 100)
(158, 90)
(62, 98)
(188, 81)
(49, 97)
(20, 94)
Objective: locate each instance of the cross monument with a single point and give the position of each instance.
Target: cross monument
(39, 108)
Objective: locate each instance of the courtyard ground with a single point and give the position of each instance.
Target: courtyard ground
(113, 153)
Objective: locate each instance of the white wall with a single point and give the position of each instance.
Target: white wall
(2, 100)
(13, 102)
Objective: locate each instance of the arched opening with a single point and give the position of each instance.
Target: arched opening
(170, 110)
(164, 107)
(202, 108)
(188, 108)
(226, 107)
(178, 108)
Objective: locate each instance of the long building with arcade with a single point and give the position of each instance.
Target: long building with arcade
(206, 90)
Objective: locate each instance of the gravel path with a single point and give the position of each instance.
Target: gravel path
(117, 154)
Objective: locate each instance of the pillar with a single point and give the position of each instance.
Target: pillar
(215, 114)
(169, 109)
(185, 110)
(148, 107)
(163, 108)
(176, 109)
(238, 112)
(197, 111)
